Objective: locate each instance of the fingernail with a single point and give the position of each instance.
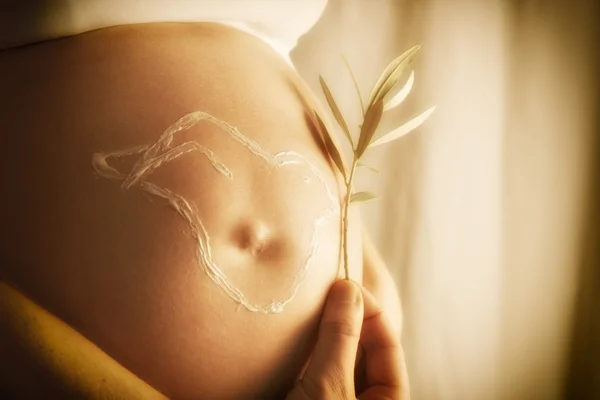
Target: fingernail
(357, 292)
(346, 291)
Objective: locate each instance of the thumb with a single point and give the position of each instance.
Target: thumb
(332, 364)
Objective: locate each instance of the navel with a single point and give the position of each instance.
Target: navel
(253, 236)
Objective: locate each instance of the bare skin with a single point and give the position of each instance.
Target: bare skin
(95, 257)
(34, 346)
(353, 320)
(42, 357)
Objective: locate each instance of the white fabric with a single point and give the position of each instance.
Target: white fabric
(278, 22)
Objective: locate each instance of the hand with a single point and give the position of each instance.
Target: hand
(352, 324)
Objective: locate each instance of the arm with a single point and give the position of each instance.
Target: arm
(43, 357)
(378, 280)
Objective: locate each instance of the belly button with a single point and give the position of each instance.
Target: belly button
(253, 237)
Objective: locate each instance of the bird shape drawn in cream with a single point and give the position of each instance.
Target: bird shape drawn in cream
(163, 150)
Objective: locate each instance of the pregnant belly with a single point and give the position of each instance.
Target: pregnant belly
(171, 201)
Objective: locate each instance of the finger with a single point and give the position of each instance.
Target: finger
(360, 378)
(360, 353)
(384, 358)
(332, 365)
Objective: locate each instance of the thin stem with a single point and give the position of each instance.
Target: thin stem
(346, 207)
(362, 106)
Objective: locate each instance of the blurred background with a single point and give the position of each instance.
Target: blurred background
(490, 211)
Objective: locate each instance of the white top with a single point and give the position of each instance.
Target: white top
(278, 22)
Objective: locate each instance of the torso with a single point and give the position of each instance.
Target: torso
(121, 266)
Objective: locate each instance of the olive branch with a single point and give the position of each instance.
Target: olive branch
(378, 103)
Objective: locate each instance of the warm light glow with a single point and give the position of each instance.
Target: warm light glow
(482, 208)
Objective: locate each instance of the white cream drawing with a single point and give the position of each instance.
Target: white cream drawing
(162, 151)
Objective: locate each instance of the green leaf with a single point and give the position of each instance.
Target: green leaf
(399, 97)
(335, 110)
(361, 197)
(362, 106)
(404, 129)
(363, 165)
(369, 126)
(392, 74)
(330, 146)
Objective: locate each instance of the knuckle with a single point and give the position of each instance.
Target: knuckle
(341, 327)
(331, 386)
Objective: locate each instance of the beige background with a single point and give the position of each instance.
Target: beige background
(488, 218)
